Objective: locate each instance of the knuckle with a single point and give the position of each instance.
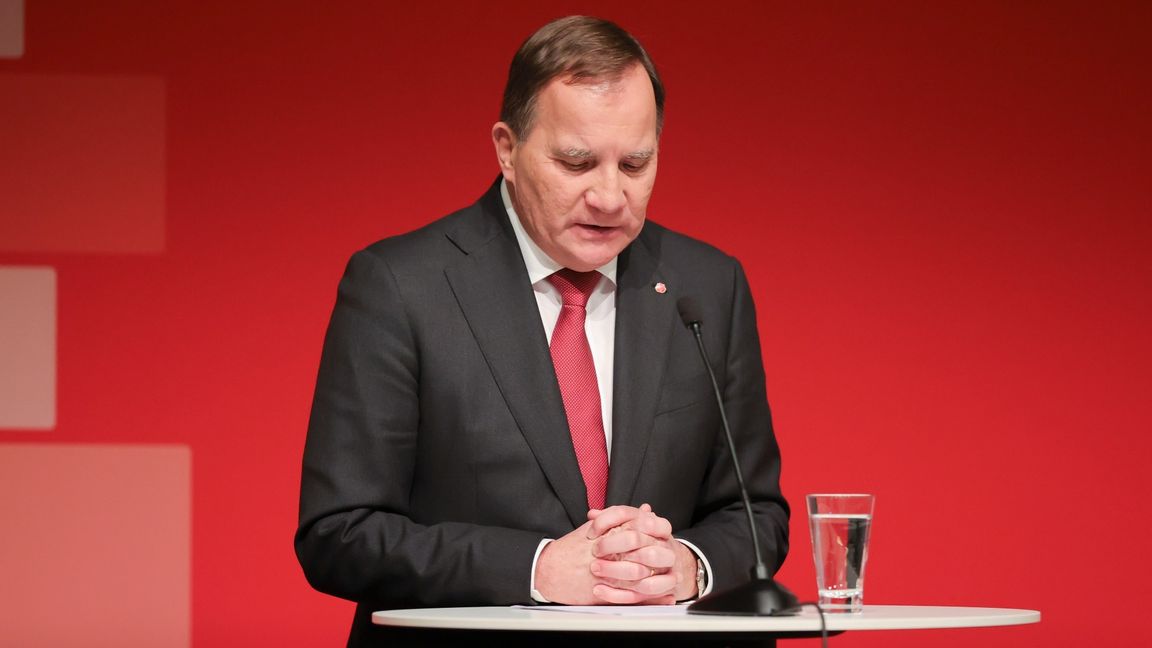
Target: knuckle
(653, 556)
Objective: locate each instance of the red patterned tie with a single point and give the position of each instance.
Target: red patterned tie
(576, 373)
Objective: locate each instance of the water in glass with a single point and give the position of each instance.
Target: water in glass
(840, 548)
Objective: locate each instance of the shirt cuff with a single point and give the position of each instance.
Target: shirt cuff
(703, 561)
(537, 596)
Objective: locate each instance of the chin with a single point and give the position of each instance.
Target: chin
(583, 258)
(583, 266)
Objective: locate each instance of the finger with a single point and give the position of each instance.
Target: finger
(657, 556)
(650, 523)
(617, 596)
(657, 585)
(653, 525)
(613, 516)
(661, 584)
(621, 570)
(621, 541)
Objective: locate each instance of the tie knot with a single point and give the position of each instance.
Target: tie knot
(575, 287)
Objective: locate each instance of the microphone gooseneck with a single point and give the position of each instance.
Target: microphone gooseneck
(761, 596)
(690, 315)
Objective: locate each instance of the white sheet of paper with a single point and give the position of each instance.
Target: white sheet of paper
(615, 610)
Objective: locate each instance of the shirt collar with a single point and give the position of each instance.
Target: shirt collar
(540, 266)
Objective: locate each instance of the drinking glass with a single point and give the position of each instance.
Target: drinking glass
(840, 525)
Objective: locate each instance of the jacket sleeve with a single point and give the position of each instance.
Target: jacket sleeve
(357, 538)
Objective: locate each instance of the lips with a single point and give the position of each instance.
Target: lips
(592, 233)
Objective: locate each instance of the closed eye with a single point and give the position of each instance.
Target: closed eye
(582, 165)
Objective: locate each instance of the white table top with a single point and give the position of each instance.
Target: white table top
(874, 617)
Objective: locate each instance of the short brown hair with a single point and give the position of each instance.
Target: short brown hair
(578, 46)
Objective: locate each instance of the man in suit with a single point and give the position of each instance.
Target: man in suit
(509, 409)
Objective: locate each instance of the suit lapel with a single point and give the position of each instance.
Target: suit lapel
(493, 291)
(644, 322)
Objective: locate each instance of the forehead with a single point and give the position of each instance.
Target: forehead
(620, 108)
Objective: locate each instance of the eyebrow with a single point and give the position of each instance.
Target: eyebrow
(583, 154)
(575, 153)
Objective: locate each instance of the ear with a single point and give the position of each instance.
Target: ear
(505, 142)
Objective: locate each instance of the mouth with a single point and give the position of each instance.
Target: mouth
(594, 229)
(595, 233)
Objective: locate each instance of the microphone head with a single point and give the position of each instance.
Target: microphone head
(689, 311)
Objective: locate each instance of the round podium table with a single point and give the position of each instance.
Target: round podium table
(672, 623)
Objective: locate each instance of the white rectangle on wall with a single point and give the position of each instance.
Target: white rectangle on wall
(27, 348)
(11, 28)
(96, 545)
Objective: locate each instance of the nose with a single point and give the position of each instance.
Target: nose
(607, 191)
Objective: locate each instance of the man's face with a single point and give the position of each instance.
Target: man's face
(581, 179)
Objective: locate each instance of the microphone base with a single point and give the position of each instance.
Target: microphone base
(759, 597)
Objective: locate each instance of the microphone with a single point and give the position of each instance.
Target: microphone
(761, 596)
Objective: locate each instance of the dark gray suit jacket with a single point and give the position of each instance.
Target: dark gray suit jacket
(438, 453)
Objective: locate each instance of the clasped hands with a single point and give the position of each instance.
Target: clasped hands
(622, 555)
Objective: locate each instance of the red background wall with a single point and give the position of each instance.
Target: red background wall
(944, 210)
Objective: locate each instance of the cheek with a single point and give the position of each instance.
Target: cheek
(539, 198)
(560, 201)
(639, 202)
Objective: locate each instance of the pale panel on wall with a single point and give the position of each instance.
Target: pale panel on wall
(95, 548)
(27, 348)
(82, 168)
(11, 28)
